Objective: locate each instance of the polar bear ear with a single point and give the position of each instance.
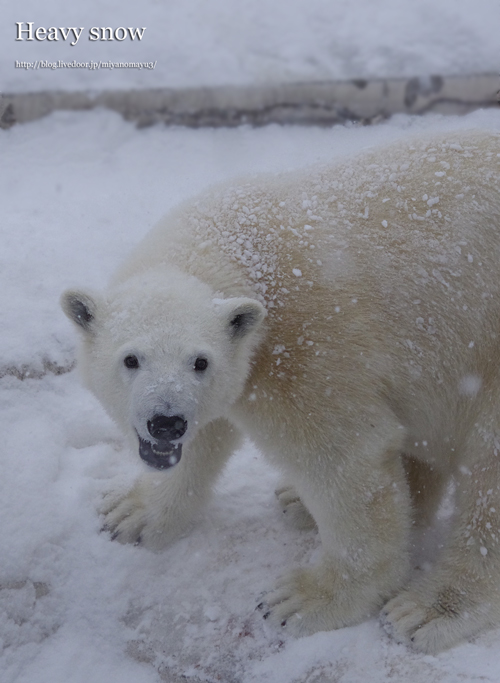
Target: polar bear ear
(242, 315)
(80, 308)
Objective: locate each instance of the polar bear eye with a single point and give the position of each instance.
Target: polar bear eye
(131, 362)
(200, 364)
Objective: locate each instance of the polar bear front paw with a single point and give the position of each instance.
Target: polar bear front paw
(296, 512)
(318, 599)
(154, 513)
(299, 604)
(124, 516)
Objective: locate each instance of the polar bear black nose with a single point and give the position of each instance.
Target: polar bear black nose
(166, 428)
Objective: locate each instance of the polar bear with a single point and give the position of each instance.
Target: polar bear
(347, 319)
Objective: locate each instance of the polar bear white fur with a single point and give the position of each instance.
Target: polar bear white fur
(346, 318)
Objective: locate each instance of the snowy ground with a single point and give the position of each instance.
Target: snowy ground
(219, 42)
(78, 191)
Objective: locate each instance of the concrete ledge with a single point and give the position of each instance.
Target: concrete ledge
(36, 371)
(316, 103)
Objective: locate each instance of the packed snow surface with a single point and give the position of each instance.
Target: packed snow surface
(79, 191)
(198, 43)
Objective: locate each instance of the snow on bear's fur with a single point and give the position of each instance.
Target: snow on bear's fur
(346, 318)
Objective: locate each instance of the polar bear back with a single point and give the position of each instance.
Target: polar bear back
(413, 205)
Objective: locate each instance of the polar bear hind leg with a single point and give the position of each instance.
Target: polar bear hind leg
(460, 596)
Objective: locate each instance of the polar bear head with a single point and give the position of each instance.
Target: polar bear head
(165, 355)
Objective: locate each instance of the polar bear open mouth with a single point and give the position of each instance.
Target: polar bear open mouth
(161, 455)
